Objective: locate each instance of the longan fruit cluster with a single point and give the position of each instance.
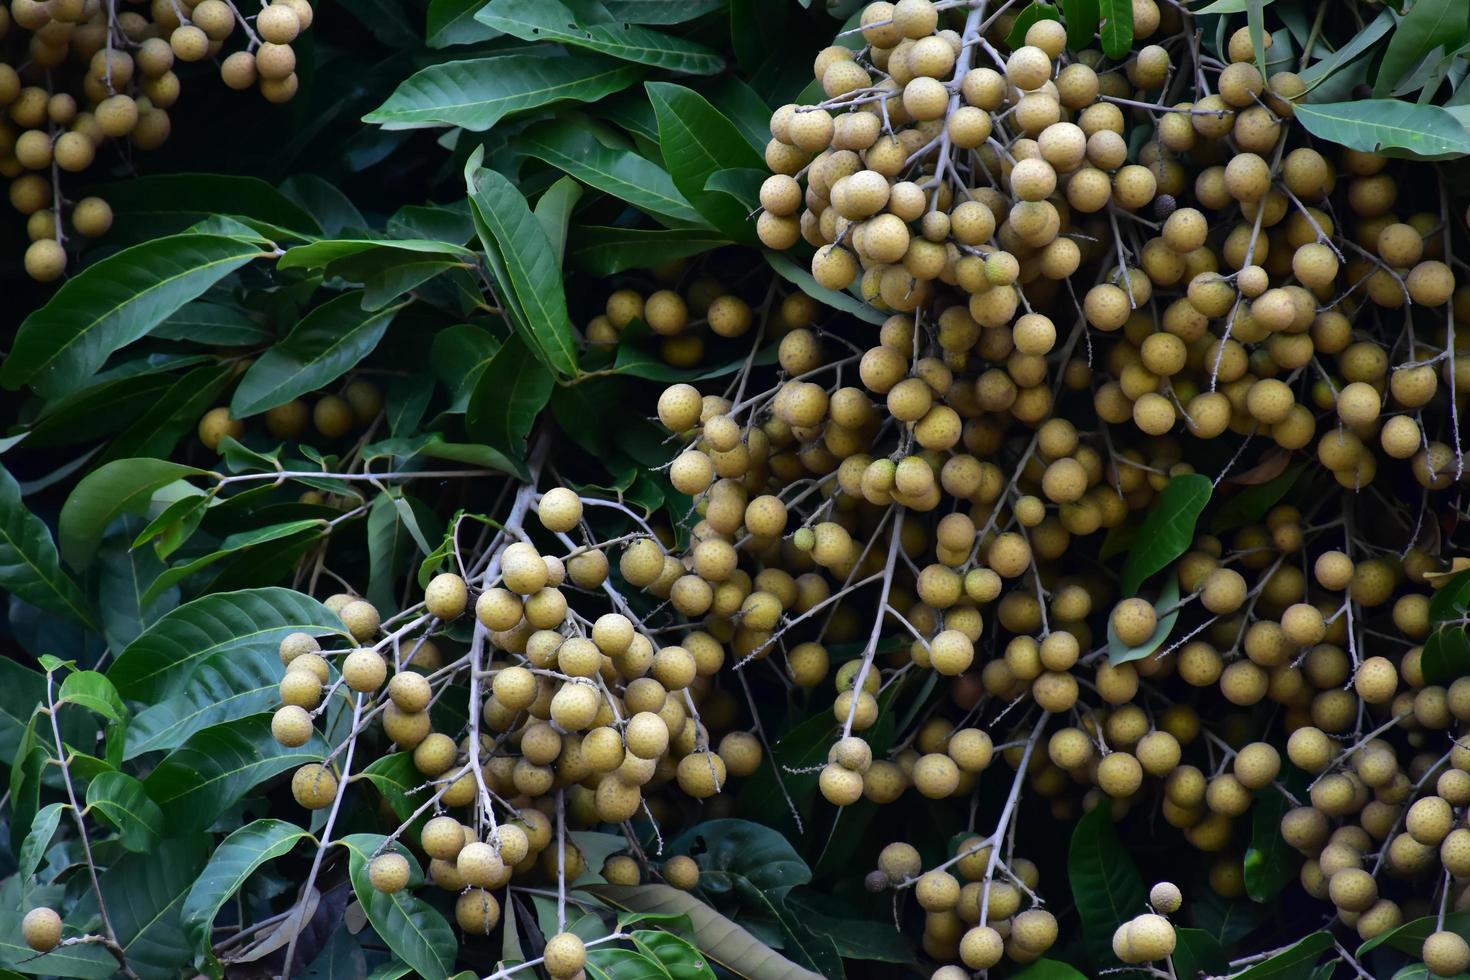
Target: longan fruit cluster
(593, 710)
(77, 73)
(331, 415)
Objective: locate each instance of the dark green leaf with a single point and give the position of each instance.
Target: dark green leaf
(1270, 863)
(215, 768)
(478, 93)
(203, 322)
(696, 141)
(526, 271)
(174, 414)
(1388, 126)
(121, 801)
(114, 302)
(554, 212)
(1429, 24)
(237, 856)
(607, 251)
(1251, 504)
(1030, 14)
(1166, 608)
(29, 564)
(624, 174)
(411, 927)
(1410, 936)
(159, 662)
(89, 961)
(508, 396)
(1049, 970)
(43, 828)
(1451, 599)
(226, 687)
(144, 895)
(1294, 964)
(1197, 953)
(1117, 27)
(172, 202)
(124, 486)
(1106, 886)
(453, 22)
(326, 344)
(1446, 654)
(587, 24)
(21, 689)
(661, 11)
(798, 276)
(1344, 55)
(231, 546)
(1081, 18)
(1168, 530)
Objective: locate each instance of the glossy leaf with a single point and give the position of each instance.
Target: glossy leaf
(121, 801)
(235, 544)
(553, 212)
(1106, 887)
(1081, 18)
(661, 11)
(112, 303)
(236, 858)
(451, 22)
(204, 322)
(21, 689)
(1167, 611)
(326, 344)
(1270, 863)
(95, 692)
(411, 927)
(158, 663)
(1388, 125)
(795, 274)
(477, 93)
(603, 251)
(1409, 937)
(1360, 43)
(721, 939)
(1429, 24)
(174, 414)
(1117, 27)
(624, 174)
(526, 271)
(1251, 503)
(1045, 969)
(587, 24)
(228, 686)
(1030, 14)
(38, 839)
(122, 486)
(1293, 962)
(1197, 953)
(30, 566)
(215, 768)
(1167, 530)
(1446, 654)
(122, 575)
(508, 397)
(696, 140)
(144, 894)
(175, 201)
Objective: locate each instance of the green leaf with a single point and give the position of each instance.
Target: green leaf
(1167, 530)
(637, 362)
(411, 927)
(1167, 611)
(327, 343)
(122, 486)
(401, 784)
(30, 567)
(86, 960)
(478, 93)
(215, 324)
(114, 399)
(226, 687)
(614, 963)
(696, 141)
(526, 270)
(1044, 969)
(21, 689)
(158, 663)
(453, 22)
(1350, 51)
(1270, 863)
(798, 276)
(1030, 14)
(328, 253)
(172, 202)
(235, 544)
(1409, 937)
(1451, 599)
(1293, 964)
(1446, 654)
(1429, 24)
(121, 801)
(721, 939)
(112, 303)
(38, 839)
(1117, 27)
(1226, 7)
(144, 895)
(605, 251)
(574, 149)
(661, 11)
(587, 24)
(1197, 953)
(1106, 886)
(1255, 22)
(215, 768)
(173, 414)
(93, 691)
(509, 395)
(1251, 504)
(1081, 18)
(458, 354)
(236, 858)
(1388, 126)
(554, 212)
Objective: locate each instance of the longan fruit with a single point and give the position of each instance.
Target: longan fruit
(1446, 953)
(41, 928)
(476, 911)
(389, 872)
(446, 596)
(291, 726)
(314, 786)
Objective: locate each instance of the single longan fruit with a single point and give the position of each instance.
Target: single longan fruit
(92, 217)
(1134, 621)
(1165, 897)
(682, 872)
(278, 24)
(216, 424)
(361, 619)
(314, 786)
(190, 43)
(560, 510)
(565, 955)
(446, 596)
(477, 912)
(45, 261)
(291, 726)
(238, 71)
(389, 872)
(679, 407)
(41, 928)
(1446, 954)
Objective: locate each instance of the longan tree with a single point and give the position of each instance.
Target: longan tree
(952, 489)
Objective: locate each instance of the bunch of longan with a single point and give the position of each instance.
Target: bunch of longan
(331, 415)
(78, 73)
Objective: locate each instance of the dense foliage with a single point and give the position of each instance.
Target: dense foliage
(705, 488)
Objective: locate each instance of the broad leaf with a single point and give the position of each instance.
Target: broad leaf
(478, 93)
(1429, 24)
(21, 689)
(1197, 953)
(798, 276)
(122, 802)
(1045, 969)
(554, 212)
(326, 344)
(122, 486)
(203, 322)
(1117, 27)
(228, 686)
(95, 692)
(158, 663)
(1270, 863)
(661, 11)
(235, 544)
(696, 141)
(604, 251)
(29, 564)
(587, 24)
(172, 202)
(43, 828)
(1167, 530)
(527, 273)
(1409, 937)
(451, 22)
(411, 927)
(112, 303)
(624, 174)
(173, 414)
(1292, 963)
(1389, 126)
(237, 856)
(1081, 18)
(1106, 886)
(509, 395)
(215, 768)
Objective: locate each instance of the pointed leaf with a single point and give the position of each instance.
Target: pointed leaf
(114, 302)
(1293, 963)
(1388, 125)
(29, 564)
(624, 174)
(1117, 27)
(1167, 530)
(605, 251)
(411, 927)
(696, 141)
(173, 415)
(122, 486)
(144, 895)
(228, 686)
(508, 397)
(93, 691)
(33, 848)
(554, 212)
(587, 24)
(158, 663)
(1106, 886)
(1429, 24)
(1081, 17)
(478, 93)
(237, 856)
(795, 274)
(203, 322)
(122, 802)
